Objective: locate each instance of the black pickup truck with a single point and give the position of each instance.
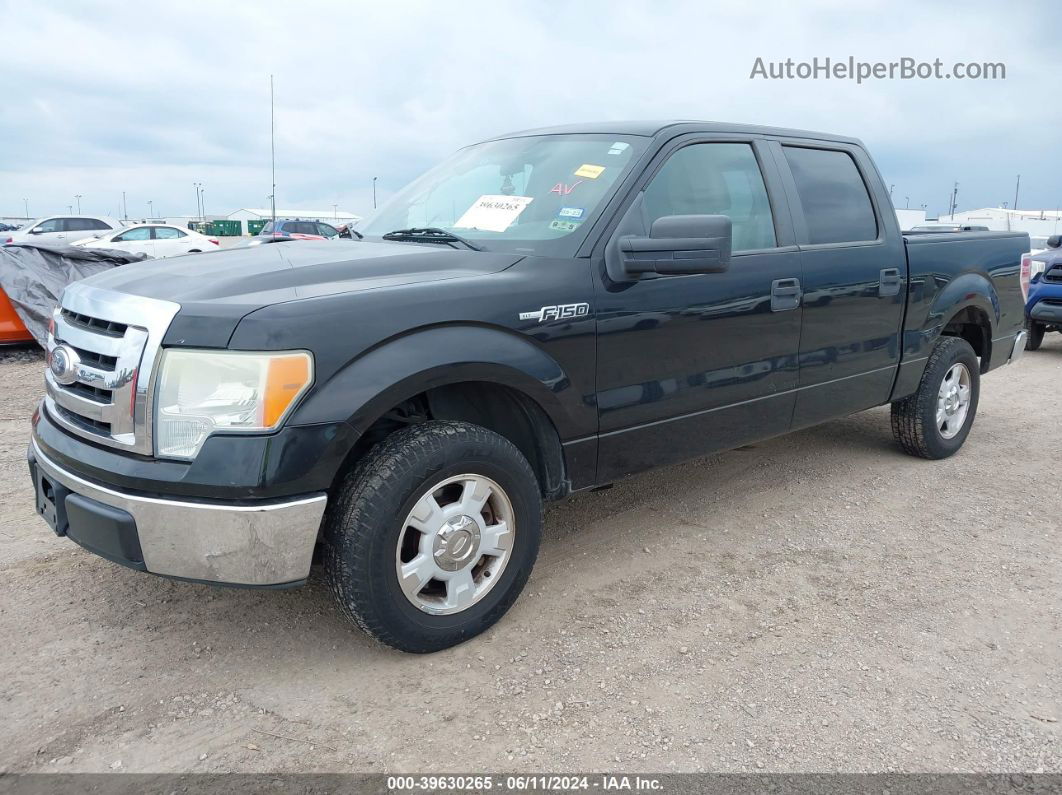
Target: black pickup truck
(543, 313)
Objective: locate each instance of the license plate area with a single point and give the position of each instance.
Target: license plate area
(51, 501)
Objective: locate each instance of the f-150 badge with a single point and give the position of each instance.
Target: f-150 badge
(557, 312)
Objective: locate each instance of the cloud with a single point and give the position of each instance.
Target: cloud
(100, 98)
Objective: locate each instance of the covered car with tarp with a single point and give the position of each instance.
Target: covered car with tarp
(33, 275)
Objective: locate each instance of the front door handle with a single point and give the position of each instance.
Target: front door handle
(785, 294)
(889, 282)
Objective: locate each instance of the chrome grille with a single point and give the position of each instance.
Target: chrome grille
(111, 341)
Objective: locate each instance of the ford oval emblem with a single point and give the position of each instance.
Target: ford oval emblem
(63, 362)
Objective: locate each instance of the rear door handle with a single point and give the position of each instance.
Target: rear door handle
(785, 294)
(889, 282)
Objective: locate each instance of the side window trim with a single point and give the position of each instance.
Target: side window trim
(651, 174)
(797, 207)
(777, 202)
(654, 158)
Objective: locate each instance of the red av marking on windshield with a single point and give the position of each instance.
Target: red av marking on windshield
(563, 189)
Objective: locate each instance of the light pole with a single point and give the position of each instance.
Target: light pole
(890, 189)
(125, 209)
(202, 200)
(907, 202)
(374, 192)
(335, 212)
(70, 209)
(77, 196)
(198, 211)
(151, 210)
(26, 203)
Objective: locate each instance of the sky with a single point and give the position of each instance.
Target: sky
(101, 98)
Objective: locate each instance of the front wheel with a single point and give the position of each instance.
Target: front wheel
(935, 421)
(1036, 335)
(433, 535)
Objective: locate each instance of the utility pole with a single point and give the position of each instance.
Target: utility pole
(1016, 186)
(77, 196)
(272, 154)
(374, 192)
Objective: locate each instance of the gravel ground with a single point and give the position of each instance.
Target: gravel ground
(819, 602)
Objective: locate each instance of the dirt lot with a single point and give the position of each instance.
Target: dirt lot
(819, 602)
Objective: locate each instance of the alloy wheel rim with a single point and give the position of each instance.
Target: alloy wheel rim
(953, 400)
(454, 544)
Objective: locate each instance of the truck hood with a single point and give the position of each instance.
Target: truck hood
(217, 289)
(246, 279)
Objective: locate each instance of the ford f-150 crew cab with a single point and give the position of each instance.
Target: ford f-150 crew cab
(543, 313)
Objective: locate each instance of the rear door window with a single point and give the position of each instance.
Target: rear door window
(833, 195)
(133, 235)
(167, 233)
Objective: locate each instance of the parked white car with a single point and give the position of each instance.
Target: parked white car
(61, 229)
(155, 240)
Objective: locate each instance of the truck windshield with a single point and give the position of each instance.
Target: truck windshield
(530, 195)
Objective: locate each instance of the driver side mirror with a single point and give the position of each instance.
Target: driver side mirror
(1055, 241)
(36, 231)
(678, 245)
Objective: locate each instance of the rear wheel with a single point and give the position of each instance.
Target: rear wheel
(1036, 335)
(935, 421)
(433, 535)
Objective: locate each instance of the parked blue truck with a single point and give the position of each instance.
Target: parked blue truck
(1043, 309)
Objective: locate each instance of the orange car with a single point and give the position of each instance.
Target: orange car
(12, 329)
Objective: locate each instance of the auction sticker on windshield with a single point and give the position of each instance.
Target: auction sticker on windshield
(589, 170)
(493, 213)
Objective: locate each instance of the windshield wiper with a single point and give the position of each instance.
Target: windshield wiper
(430, 234)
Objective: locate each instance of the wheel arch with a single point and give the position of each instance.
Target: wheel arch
(968, 307)
(509, 386)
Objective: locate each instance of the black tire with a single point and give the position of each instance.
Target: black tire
(914, 418)
(1036, 335)
(366, 520)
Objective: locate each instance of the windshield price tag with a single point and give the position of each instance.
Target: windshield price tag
(493, 213)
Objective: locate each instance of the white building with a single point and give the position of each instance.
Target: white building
(333, 216)
(909, 218)
(1037, 223)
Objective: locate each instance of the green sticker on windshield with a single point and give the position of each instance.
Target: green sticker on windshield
(563, 226)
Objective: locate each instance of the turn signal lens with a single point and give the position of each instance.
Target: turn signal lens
(287, 376)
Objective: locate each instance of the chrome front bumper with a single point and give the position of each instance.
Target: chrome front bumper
(255, 545)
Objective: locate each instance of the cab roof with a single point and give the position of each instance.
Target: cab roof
(650, 129)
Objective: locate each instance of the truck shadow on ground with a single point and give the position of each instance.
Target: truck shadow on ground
(231, 623)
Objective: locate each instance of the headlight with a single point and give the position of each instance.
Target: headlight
(1038, 267)
(200, 392)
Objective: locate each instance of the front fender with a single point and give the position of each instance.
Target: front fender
(391, 372)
